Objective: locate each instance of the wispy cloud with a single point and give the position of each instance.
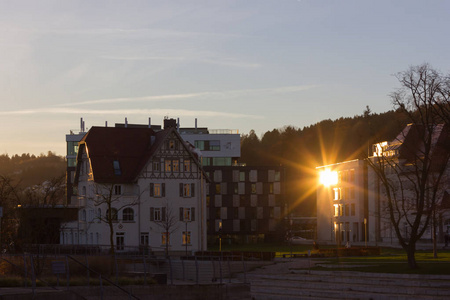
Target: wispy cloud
(200, 95)
(127, 112)
(213, 61)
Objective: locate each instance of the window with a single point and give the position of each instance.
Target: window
(144, 239)
(120, 241)
(336, 210)
(346, 210)
(157, 189)
(337, 194)
(157, 214)
(111, 215)
(352, 175)
(218, 188)
(277, 176)
(352, 193)
(83, 215)
(241, 176)
(353, 211)
(187, 214)
(168, 166)
(235, 188)
(187, 165)
(213, 145)
(128, 214)
(176, 165)
(99, 215)
(187, 189)
(116, 166)
(253, 188)
(165, 238)
(156, 166)
(117, 190)
(171, 144)
(186, 237)
(270, 187)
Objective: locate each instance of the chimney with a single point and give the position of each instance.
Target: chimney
(149, 122)
(170, 123)
(126, 122)
(106, 123)
(195, 123)
(178, 124)
(81, 124)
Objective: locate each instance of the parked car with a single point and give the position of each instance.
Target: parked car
(298, 240)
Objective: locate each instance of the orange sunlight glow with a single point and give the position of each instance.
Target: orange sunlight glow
(328, 177)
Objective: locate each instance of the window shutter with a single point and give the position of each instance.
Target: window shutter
(152, 189)
(163, 189)
(181, 214)
(163, 213)
(192, 189)
(152, 214)
(181, 190)
(192, 213)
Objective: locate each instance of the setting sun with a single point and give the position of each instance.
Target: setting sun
(328, 177)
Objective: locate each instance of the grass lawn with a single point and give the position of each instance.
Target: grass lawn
(391, 260)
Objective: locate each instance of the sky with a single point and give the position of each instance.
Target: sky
(242, 65)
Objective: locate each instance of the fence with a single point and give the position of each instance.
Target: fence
(61, 267)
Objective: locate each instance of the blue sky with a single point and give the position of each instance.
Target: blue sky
(231, 64)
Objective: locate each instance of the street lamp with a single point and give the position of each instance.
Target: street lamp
(220, 236)
(365, 232)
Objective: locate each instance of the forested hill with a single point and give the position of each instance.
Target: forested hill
(322, 143)
(29, 170)
(327, 142)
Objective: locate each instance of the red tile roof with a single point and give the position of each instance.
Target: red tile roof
(131, 147)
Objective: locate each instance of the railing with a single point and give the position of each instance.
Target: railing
(224, 131)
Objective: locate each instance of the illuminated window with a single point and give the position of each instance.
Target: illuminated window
(271, 188)
(187, 214)
(337, 194)
(186, 237)
(253, 188)
(168, 166)
(176, 165)
(157, 189)
(336, 210)
(187, 189)
(218, 188)
(187, 165)
(165, 238)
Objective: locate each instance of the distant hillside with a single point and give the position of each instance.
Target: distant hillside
(30, 169)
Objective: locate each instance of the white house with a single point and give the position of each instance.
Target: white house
(149, 184)
(351, 200)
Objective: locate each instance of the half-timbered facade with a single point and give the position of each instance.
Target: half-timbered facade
(138, 187)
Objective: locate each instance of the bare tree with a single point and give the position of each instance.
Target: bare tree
(108, 196)
(412, 170)
(168, 221)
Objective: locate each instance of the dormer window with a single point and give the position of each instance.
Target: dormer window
(116, 166)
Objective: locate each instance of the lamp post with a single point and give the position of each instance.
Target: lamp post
(220, 237)
(290, 234)
(365, 232)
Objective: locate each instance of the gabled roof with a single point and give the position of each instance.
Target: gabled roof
(118, 155)
(410, 144)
